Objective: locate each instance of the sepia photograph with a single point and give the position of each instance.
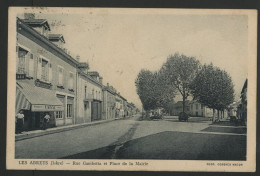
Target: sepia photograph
(131, 89)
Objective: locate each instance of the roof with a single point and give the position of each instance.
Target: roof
(37, 95)
(93, 73)
(56, 37)
(42, 38)
(37, 22)
(109, 89)
(89, 77)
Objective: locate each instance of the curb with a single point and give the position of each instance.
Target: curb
(58, 130)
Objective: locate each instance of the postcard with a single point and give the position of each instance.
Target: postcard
(129, 89)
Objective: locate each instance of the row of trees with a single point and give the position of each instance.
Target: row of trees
(209, 85)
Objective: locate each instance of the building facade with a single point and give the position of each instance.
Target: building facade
(45, 74)
(49, 80)
(109, 100)
(90, 96)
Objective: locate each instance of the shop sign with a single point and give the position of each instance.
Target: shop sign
(47, 108)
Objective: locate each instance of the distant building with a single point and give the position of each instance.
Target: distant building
(109, 100)
(178, 108)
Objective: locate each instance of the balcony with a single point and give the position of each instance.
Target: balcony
(43, 84)
(89, 97)
(20, 76)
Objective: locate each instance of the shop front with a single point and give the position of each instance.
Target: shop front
(36, 102)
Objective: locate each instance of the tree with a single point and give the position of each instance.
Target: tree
(179, 71)
(213, 87)
(144, 83)
(153, 90)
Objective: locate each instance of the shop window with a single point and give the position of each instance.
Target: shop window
(58, 115)
(69, 110)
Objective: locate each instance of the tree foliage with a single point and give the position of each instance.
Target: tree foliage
(213, 87)
(179, 71)
(152, 90)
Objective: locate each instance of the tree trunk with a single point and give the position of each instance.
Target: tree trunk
(183, 101)
(213, 119)
(218, 116)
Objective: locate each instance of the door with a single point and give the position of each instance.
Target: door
(85, 111)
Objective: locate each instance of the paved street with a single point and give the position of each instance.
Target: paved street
(134, 139)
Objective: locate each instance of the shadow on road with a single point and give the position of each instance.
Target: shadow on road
(174, 146)
(225, 130)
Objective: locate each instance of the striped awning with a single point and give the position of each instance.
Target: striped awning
(21, 101)
(36, 99)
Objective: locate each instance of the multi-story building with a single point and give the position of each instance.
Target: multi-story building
(49, 80)
(109, 105)
(45, 74)
(90, 95)
(119, 105)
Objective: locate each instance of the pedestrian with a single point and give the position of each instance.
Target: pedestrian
(19, 119)
(46, 120)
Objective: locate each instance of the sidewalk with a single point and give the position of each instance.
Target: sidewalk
(37, 133)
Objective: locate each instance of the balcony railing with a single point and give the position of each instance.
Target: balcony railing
(88, 97)
(20, 76)
(43, 84)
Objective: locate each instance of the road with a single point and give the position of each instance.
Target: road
(134, 139)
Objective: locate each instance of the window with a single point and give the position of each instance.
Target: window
(71, 80)
(197, 106)
(93, 92)
(60, 75)
(45, 70)
(99, 95)
(201, 106)
(58, 115)
(21, 60)
(31, 65)
(96, 95)
(69, 110)
(85, 91)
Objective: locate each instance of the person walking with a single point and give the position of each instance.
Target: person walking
(19, 122)
(46, 120)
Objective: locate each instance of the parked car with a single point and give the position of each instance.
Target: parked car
(183, 117)
(156, 116)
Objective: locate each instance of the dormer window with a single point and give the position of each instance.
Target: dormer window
(40, 25)
(57, 39)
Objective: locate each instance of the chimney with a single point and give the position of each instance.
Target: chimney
(29, 16)
(108, 85)
(101, 80)
(78, 58)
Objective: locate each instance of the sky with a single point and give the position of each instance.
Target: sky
(119, 45)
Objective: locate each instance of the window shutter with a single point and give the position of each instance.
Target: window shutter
(39, 69)
(17, 58)
(50, 72)
(27, 60)
(31, 65)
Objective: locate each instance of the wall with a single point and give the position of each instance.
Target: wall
(82, 82)
(39, 49)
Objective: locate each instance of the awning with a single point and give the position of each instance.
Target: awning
(36, 98)
(21, 101)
